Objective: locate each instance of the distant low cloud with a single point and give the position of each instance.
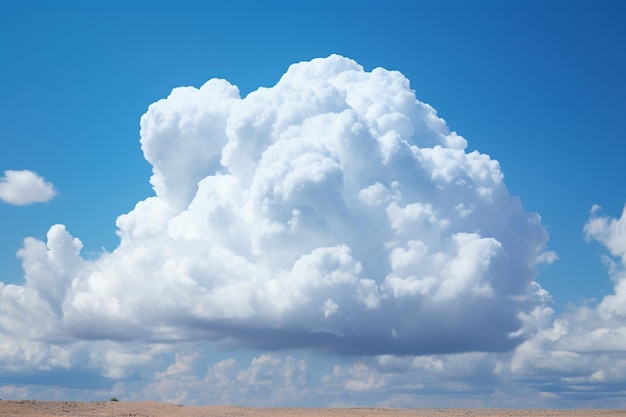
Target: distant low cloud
(576, 358)
(25, 187)
(333, 211)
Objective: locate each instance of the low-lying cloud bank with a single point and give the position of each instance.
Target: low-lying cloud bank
(577, 359)
(331, 212)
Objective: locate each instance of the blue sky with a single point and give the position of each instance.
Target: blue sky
(537, 86)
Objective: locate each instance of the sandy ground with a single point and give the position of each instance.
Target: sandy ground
(153, 409)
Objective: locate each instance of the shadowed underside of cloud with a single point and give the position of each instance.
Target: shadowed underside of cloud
(331, 211)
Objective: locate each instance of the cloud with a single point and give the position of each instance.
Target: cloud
(25, 187)
(267, 380)
(333, 211)
(581, 353)
(450, 380)
(609, 232)
(285, 379)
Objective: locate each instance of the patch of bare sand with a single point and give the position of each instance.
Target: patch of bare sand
(154, 409)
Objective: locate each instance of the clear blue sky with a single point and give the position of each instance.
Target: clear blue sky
(536, 85)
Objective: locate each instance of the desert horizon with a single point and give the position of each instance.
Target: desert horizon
(36, 408)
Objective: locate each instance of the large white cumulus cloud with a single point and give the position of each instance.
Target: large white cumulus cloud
(333, 210)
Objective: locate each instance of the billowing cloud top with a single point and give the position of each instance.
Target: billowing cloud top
(333, 210)
(25, 187)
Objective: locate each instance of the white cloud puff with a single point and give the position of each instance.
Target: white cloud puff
(333, 211)
(25, 187)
